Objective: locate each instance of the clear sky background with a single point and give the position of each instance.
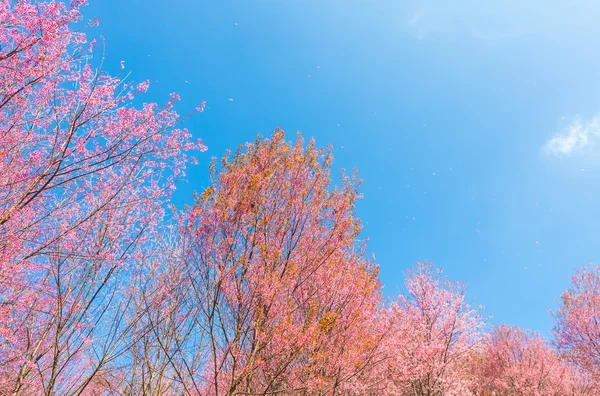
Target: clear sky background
(475, 127)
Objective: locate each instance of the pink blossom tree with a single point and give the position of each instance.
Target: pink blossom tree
(84, 175)
(435, 331)
(577, 329)
(515, 362)
(272, 292)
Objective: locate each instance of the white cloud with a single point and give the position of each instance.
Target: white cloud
(577, 138)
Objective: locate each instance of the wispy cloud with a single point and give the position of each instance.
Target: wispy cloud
(577, 138)
(493, 21)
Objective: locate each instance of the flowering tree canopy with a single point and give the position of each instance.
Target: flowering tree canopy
(278, 293)
(577, 330)
(434, 334)
(516, 362)
(83, 177)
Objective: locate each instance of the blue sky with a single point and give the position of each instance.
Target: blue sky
(474, 126)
